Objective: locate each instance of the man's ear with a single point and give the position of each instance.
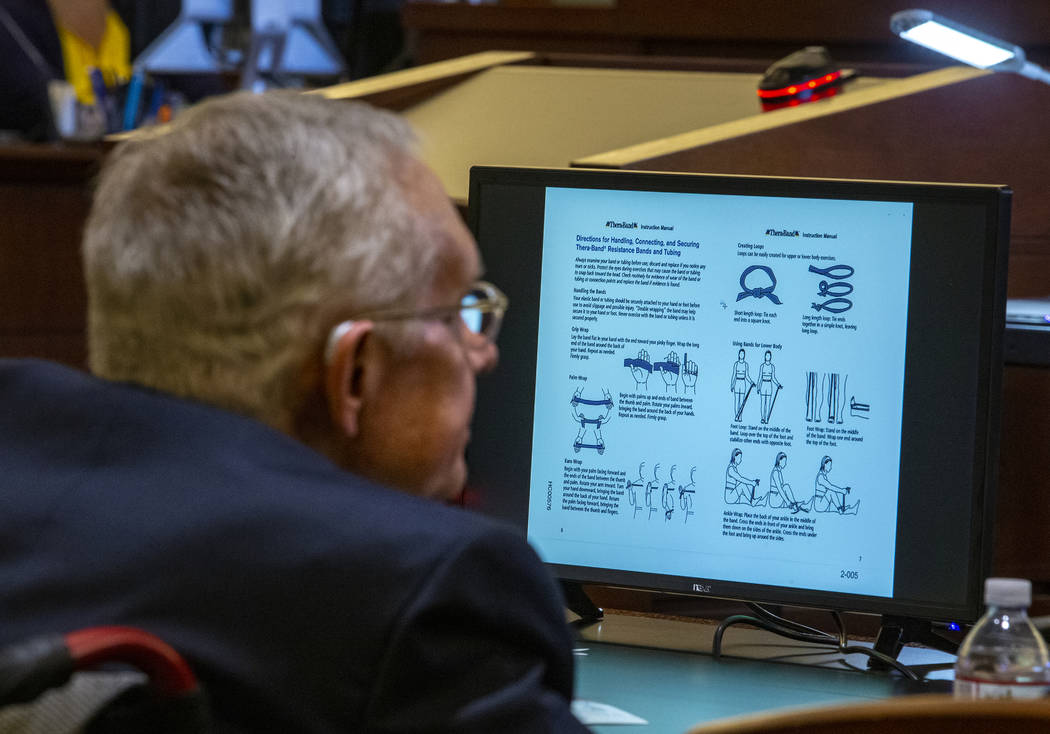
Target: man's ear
(348, 359)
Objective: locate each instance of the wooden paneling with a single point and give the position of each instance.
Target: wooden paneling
(766, 29)
(44, 200)
(1022, 546)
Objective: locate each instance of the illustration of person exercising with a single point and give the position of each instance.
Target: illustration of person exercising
(632, 490)
(740, 490)
(740, 384)
(599, 412)
(669, 369)
(685, 495)
(829, 497)
(780, 494)
(667, 495)
(641, 368)
(766, 381)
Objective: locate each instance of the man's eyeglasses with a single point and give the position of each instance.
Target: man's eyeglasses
(481, 309)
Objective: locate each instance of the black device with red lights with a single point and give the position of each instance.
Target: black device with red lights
(804, 76)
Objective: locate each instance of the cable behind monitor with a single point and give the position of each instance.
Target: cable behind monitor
(766, 620)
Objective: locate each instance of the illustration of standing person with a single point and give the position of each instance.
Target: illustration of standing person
(767, 379)
(829, 497)
(740, 490)
(780, 494)
(740, 384)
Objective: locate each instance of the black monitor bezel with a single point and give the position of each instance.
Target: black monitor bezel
(995, 201)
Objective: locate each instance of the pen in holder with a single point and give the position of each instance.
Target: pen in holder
(104, 100)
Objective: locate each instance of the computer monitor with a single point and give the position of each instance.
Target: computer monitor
(779, 390)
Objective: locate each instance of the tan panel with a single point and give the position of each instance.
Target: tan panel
(861, 93)
(422, 74)
(549, 116)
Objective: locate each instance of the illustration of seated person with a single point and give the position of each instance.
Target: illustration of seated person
(780, 494)
(669, 369)
(740, 490)
(768, 386)
(591, 415)
(640, 368)
(827, 496)
(740, 384)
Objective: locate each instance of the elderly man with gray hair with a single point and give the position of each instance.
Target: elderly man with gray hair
(285, 326)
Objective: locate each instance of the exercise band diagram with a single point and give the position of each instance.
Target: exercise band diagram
(591, 415)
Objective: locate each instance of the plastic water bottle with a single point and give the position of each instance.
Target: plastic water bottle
(1003, 656)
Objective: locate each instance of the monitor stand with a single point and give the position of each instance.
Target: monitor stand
(579, 603)
(896, 632)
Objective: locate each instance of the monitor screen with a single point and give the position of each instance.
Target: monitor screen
(768, 389)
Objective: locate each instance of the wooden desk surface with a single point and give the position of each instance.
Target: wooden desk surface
(658, 669)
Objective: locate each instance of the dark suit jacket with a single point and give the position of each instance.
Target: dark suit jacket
(306, 599)
(30, 56)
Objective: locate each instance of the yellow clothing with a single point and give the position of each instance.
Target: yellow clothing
(112, 57)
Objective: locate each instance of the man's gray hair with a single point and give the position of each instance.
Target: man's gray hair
(218, 252)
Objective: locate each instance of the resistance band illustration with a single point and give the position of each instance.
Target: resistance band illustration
(825, 396)
(834, 293)
(740, 384)
(826, 399)
(649, 487)
(667, 493)
(780, 493)
(632, 490)
(829, 497)
(859, 410)
(670, 369)
(740, 490)
(766, 381)
(685, 495)
(641, 368)
(674, 372)
(751, 290)
(593, 414)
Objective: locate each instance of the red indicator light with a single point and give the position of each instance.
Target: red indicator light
(794, 89)
(785, 101)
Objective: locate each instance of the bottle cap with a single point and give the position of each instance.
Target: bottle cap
(1008, 592)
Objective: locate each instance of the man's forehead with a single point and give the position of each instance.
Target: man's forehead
(457, 259)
